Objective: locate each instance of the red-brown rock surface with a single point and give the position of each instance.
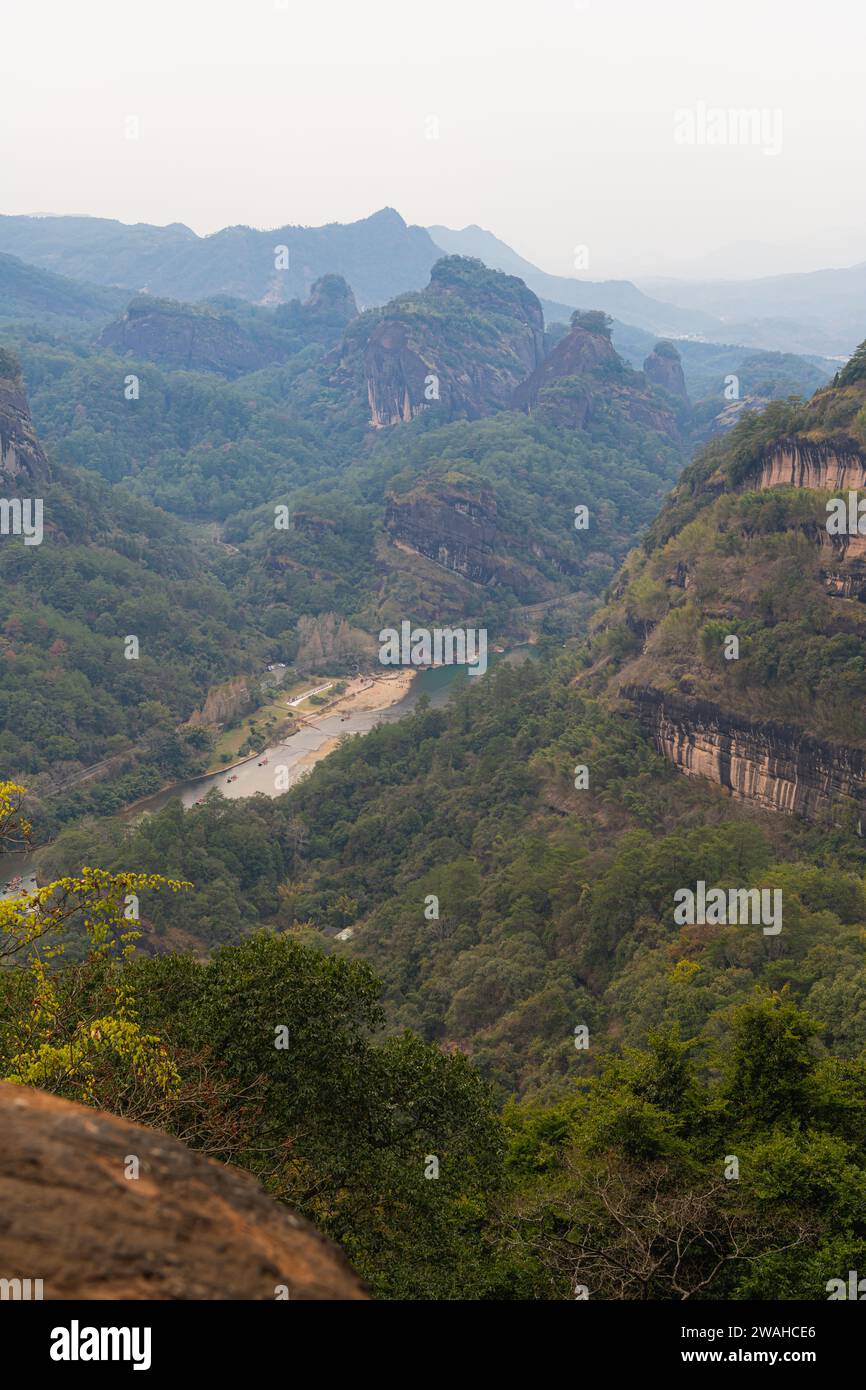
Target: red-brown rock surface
(186, 1228)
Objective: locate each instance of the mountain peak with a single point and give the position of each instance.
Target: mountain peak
(385, 216)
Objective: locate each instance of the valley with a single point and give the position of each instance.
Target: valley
(257, 810)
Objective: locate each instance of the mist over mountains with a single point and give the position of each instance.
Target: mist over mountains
(381, 256)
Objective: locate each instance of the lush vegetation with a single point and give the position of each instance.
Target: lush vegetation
(724, 558)
(555, 904)
(704, 1044)
(435, 997)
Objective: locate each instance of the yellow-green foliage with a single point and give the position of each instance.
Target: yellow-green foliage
(34, 926)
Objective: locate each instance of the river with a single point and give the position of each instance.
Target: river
(253, 776)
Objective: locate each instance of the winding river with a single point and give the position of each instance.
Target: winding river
(254, 775)
(293, 754)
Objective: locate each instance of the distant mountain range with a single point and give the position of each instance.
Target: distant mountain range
(620, 298)
(820, 312)
(381, 257)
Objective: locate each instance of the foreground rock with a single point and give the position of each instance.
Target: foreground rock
(186, 1228)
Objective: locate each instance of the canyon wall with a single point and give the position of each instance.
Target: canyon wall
(774, 766)
(462, 533)
(801, 463)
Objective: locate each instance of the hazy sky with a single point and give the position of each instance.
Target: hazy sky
(561, 123)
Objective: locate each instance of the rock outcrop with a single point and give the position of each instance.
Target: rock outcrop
(584, 376)
(324, 316)
(774, 766)
(462, 345)
(664, 368)
(826, 465)
(843, 561)
(22, 461)
(743, 649)
(461, 531)
(185, 1228)
(183, 337)
(396, 375)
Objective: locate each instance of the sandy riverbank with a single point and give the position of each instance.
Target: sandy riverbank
(317, 754)
(362, 695)
(369, 693)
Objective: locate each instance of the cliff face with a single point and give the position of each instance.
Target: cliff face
(825, 466)
(461, 532)
(578, 354)
(461, 346)
(843, 562)
(184, 1228)
(22, 461)
(773, 766)
(664, 368)
(584, 377)
(395, 374)
(179, 336)
(738, 618)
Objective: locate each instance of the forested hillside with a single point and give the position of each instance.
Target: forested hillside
(745, 606)
(642, 1052)
(501, 1054)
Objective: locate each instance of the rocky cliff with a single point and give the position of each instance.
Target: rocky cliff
(396, 375)
(460, 347)
(226, 336)
(737, 628)
(822, 465)
(843, 561)
(584, 379)
(22, 462)
(324, 316)
(183, 336)
(184, 1228)
(773, 766)
(664, 368)
(461, 531)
